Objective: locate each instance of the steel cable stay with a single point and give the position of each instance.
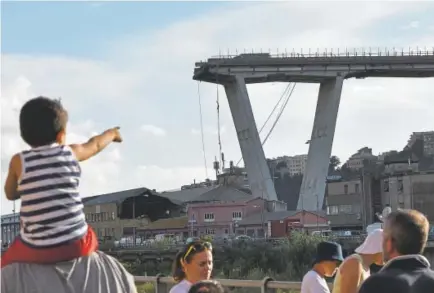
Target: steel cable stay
(287, 93)
(282, 109)
(219, 141)
(201, 129)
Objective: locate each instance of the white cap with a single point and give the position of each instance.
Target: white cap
(373, 243)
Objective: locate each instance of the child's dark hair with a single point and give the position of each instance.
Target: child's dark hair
(41, 120)
(207, 286)
(186, 255)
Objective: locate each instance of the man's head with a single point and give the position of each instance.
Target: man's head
(43, 122)
(405, 232)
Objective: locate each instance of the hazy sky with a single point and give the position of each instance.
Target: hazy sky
(131, 64)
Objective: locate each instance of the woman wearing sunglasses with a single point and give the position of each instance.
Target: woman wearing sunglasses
(192, 264)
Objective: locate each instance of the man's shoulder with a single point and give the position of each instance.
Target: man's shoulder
(101, 272)
(373, 283)
(310, 275)
(95, 261)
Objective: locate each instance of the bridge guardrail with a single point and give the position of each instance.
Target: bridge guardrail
(162, 284)
(358, 52)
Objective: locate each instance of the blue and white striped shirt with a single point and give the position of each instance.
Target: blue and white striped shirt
(51, 207)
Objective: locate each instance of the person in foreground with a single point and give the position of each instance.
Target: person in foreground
(192, 264)
(328, 258)
(207, 286)
(95, 273)
(46, 179)
(356, 268)
(406, 269)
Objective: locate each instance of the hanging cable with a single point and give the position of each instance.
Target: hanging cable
(275, 107)
(219, 141)
(218, 126)
(284, 94)
(278, 115)
(201, 130)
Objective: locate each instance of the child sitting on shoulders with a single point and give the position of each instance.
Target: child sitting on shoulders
(46, 179)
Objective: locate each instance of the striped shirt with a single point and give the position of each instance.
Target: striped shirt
(51, 208)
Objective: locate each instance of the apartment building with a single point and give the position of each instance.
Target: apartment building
(356, 161)
(292, 164)
(428, 141)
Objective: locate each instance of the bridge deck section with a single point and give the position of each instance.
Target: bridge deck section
(259, 68)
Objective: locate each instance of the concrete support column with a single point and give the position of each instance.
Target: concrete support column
(320, 147)
(258, 172)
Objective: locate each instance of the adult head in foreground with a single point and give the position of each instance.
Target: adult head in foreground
(406, 270)
(97, 272)
(192, 264)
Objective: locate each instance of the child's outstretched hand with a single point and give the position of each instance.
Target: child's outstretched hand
(117, 134)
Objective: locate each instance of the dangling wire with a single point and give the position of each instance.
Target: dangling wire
(278, 116)
(218, 124)
(201, 129)
(284, 95)
(219, 141)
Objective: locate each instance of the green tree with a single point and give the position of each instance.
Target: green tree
(334, 163)
(286, 260)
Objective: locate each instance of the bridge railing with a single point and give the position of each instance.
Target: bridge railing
(163, 284)
(333, 53)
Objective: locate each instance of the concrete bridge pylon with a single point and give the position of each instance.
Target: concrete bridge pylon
(329, 70)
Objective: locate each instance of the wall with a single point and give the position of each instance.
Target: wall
(310, 222)
(410, 191)
(223, 221)
(10, 228)
(345, 203)
(106, 223)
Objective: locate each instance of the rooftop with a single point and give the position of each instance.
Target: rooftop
(223, 193)
(120, 196)
(185, 195)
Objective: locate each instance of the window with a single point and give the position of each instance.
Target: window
(113, 216)
(209, 217)
(236, 216)
(357, 188)
(345, 189)
(386, 185)
(332, 210)
(345, 209)
(209, 231)
(400, 184)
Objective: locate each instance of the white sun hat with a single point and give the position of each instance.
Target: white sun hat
(373, 243)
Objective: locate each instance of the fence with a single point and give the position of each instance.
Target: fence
(267, 285)
(346, 52)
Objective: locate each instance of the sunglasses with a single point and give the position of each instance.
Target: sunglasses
(197, 246)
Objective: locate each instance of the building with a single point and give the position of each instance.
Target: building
(10, 226)
(280, 224)
(177, 226)
(293, 165)
(428, 141)
(410, 191)
(344, 203)
(121, 213)
(357, 160)
(402, 180)
(218, 211)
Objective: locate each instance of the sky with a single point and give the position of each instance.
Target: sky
(130, 64)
